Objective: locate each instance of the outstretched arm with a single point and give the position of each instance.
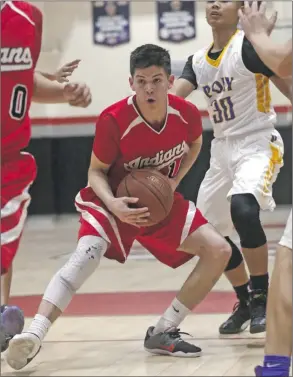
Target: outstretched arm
(255, 25)
(277, 57)
(62, 73)
(47, 91)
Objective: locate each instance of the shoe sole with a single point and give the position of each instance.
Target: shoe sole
(257, 329)
(18, 352)
(239, 331)
(160, 352)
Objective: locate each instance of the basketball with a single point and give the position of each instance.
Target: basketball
(153, 191)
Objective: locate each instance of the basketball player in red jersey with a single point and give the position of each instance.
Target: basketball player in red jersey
(149, 129)
(21, 34)
(61, 76)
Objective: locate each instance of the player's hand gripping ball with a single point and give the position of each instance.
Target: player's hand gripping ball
(153, 191)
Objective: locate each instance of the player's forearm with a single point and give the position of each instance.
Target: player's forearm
(189, 159)
(183, 88)
(273, 55)
(98, 181)
(47, 75)
(46, 91)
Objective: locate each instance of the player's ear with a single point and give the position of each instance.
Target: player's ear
(131, 82)
(171, 81)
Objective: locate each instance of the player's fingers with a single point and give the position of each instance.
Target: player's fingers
(247, 8)
(79, 96)
(79, 100)
(273, 19)
(138, 212)
(61, 80)
(263, 7)
(254, 7)
(128, 199)
(79, 90)
(137, 220)
(130, 222)
(69, 69)
(73, 63)
(143, 216)
(65, 74)
(70, 88)
(240, 14)
(87, 100)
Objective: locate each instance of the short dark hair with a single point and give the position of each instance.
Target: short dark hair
(148, 55)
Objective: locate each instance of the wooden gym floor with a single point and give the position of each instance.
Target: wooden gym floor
(102, 331)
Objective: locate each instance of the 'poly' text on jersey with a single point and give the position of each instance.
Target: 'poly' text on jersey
(239, 101)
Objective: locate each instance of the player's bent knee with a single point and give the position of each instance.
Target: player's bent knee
(223, 251)
(69, 279)
(218, 253)
(245, 217)
(83, 261)
(212, 244)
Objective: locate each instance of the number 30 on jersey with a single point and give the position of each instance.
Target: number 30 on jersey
(223, 110)
(18, 103)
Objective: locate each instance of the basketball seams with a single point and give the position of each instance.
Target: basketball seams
(150, 188)
(156, 173)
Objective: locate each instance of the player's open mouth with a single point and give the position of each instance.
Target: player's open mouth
(215, 14)
(150, 100)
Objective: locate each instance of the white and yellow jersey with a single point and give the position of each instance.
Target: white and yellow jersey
(239, 101)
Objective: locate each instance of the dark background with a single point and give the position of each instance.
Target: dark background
(63, 163)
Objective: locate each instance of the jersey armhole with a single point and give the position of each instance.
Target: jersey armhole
(38, 19)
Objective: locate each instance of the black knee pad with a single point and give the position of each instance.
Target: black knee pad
(236, 258)
(245, 217)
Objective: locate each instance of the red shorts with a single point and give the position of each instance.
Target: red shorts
(161, 240)
(17, 174)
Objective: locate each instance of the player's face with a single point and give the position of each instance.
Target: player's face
(222, 13)
(151, 84)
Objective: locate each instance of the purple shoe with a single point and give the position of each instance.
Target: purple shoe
(258, 371)
(11, 323)
(270, 372)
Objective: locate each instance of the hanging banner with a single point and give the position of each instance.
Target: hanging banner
(110, 22)
(176, 20)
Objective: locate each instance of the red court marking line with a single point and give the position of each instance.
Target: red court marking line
(128, 303)
(75, 121)
(277, 226)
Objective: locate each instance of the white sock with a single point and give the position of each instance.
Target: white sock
(40, 326)
(172, 317)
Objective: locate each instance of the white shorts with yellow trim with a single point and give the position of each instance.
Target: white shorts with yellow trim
(286, 239)
(244, 165)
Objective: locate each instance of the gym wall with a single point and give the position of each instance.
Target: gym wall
(62, 135)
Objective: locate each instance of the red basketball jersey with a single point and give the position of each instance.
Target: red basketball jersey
(125, 140)
(21, 34)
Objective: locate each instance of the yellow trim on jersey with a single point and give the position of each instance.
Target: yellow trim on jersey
(263, 93)
(276, 159)
(216, 62)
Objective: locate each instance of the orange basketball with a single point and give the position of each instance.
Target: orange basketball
(153, 191)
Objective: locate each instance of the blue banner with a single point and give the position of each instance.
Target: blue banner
(176, 20)
(110, 22)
